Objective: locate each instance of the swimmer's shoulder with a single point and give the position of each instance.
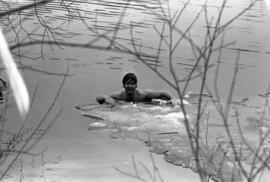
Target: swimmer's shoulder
(118, 96)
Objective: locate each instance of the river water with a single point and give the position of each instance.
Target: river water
(94, 72)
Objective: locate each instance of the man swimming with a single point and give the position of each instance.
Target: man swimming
(132, 94)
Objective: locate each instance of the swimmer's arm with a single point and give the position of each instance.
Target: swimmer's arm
(158, 95)
(109, 99)
(170, 101)
(104, 100)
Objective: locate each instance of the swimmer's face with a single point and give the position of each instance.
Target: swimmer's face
(130, 86)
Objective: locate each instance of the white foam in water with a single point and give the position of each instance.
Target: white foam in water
(156, 109)
(131, 128)
(174, 118)
(96, 125)
(138, 117)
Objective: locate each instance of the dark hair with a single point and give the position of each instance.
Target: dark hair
(129, 76)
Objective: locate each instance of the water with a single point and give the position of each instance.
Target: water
(96, 72)
(249, 32)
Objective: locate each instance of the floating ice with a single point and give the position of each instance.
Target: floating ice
(135, 117)
(96, 125)
(174, 117)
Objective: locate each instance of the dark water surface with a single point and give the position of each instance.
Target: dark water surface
(96, 72)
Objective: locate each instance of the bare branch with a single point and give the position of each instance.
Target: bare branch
(25, 7)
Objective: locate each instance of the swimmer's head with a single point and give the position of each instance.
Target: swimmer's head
(130, 83)
(128, 78)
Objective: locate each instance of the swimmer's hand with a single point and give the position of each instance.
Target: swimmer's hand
(100, 99)
(176, 102)
(77, 107)
(103, 100)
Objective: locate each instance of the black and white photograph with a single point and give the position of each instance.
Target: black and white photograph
(135, 90)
